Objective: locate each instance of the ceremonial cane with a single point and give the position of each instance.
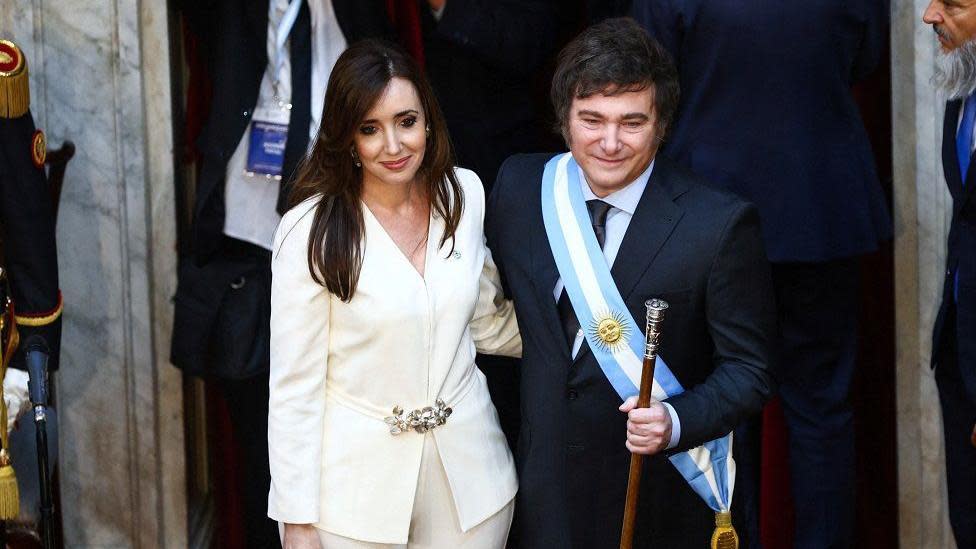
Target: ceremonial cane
(36, 359)
(655, 316)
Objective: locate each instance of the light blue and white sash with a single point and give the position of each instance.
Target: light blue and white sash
(709, 468)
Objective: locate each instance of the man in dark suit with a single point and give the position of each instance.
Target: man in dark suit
(272, 57)
(767, 113)
(666, 235)
(954, 337)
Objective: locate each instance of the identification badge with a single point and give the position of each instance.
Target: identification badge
(266, 144)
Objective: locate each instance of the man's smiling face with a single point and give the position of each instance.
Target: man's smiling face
(613, 137)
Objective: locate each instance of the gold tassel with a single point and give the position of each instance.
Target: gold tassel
(9, 493)
(724, 536)
(14, 83)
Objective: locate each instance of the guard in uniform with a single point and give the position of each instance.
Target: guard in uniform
(26, 212)
(32, 299)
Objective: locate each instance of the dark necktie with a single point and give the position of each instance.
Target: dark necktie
(598, 218)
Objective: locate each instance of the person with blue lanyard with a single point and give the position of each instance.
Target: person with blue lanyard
(954, 335)
(583, 239)
(269, 62)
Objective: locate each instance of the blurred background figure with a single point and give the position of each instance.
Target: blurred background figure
(267, 63)
(767, 112)
(483, 59)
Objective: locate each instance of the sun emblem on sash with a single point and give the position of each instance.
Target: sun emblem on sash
(609, 330)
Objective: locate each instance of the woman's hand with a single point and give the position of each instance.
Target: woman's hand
(301, 536)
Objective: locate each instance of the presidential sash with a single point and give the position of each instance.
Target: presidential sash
(616, 340)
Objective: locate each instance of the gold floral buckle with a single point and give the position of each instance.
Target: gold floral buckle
(420, 420)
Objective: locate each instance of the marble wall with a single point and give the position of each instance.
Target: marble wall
(922, 209)
(100, 76)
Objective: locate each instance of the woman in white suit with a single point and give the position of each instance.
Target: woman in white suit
(381, 429)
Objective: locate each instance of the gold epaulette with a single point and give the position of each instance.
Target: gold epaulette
(41, 319)
(14, 85)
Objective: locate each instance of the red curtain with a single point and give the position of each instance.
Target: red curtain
(405, 17)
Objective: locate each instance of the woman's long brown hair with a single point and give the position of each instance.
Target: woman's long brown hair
(358, 80)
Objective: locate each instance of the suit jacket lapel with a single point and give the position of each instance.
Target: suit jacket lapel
(652, 224)
(650, 227)
(950, 160)
(544, 276)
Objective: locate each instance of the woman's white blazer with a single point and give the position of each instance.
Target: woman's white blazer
(338, 369)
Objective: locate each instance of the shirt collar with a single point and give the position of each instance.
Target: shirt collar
(624, 199)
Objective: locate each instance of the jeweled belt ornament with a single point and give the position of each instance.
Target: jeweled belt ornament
(420, 420)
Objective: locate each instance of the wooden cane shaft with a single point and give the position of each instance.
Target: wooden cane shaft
(630, 508)
(636, 460)
(647, 382)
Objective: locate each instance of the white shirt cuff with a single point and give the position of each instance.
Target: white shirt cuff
(675, 426)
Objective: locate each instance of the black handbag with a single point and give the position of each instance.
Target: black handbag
(221, 319)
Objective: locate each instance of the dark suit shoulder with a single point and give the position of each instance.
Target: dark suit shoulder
(519, 175)
(523, 163)
(514, 203)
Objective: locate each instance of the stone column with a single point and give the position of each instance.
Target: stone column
(100, 76)
(922, 209)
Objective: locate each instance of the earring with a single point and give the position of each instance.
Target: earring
(355, 159)
(428, 130)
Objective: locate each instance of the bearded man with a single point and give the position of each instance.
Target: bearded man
(954, 337)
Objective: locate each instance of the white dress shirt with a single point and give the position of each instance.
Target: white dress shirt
(624, 203)
(251, 200)
(338, 369)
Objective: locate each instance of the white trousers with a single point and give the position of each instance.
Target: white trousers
(434, 523)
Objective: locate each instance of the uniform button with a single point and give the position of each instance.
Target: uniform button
(572, 394)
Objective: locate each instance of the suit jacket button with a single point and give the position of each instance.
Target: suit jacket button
(572, 394)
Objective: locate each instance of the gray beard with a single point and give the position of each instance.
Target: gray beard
(955, 72)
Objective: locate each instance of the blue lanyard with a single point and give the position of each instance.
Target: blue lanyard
(281, 37)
